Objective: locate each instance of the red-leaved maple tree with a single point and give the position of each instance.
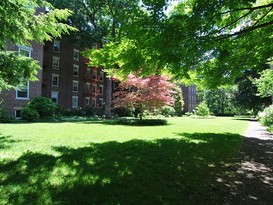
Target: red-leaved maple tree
(147, 93)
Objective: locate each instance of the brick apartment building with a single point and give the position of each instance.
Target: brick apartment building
(65, 78)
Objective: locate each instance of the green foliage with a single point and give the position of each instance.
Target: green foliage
(20, 24)
(246, 98)
(5, 116)
(208, 41)
(93, 163)
(266, 117)
(168, 111)
(123, 112)
(143, 122)
(44, 106)
(265, 83)
(179, 103)
(220, 101)
(202, 109)
(90, 111)
(30, 114)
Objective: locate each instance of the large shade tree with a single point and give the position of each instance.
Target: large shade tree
(210, 41)
(147, 93)
(246, 96)
(21, 24)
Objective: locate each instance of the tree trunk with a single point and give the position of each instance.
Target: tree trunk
(108, 97)
(141, 112)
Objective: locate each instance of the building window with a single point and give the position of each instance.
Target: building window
(22, 91)
(75, 86)
(101, 76)
(24, 51)
(87, 87)
(75, 70)
(88, 71)
(55, 80)
(87, 100)
(94, 102)
(74, 101)
(56, 46)
(55, 63)
(76, 55)
(54, 96)
(101, 89)
(94, 89)
(101, 102)
(18, 114)
(94, 75)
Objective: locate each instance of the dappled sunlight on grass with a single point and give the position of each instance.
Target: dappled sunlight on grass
(160, 171)
(118, 165)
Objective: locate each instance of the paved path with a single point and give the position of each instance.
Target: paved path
(253, 182)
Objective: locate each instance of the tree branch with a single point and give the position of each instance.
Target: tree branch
(249, 8)
(246, 30)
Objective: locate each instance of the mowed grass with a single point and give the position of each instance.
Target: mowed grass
(187, 161)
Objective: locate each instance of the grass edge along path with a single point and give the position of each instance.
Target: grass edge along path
(185, 162)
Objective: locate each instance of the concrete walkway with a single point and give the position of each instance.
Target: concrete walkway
(253, 182)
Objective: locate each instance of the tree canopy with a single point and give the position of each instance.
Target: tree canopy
(21, 23)
(212, 42)
(265, 83)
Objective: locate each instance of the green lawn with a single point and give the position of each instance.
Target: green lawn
(93, 162)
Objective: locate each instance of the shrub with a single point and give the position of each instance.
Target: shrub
(144, 122)
(44, 106)
(30, 115)
(202, 109)
(168, 111)
(266, 117)
(123, 112)
(5, 116)
(90, 111)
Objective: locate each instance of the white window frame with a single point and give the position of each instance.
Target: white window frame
(75, 82)
(88, 71)
(27, 91)
(101, 102)
(101, 89)
(56, 95)
(87, 100)
(88, 87)
(76, 58)
(94, 89)
(55, 65)
(94, 74)
(57, 42)
(29, 50)
(58, 79)
(25, 48)
(76, 98)
(76, 70)
(101, 75)
(16, 109)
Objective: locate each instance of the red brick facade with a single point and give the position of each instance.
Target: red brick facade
(67, 75)
(10, 102)
(57, 78)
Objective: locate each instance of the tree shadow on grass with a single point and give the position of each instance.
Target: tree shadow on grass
(7, 141)
(192, 169)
